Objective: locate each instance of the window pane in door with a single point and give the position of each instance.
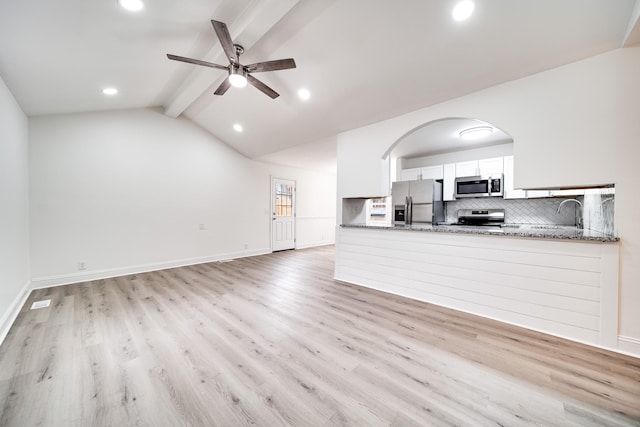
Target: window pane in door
(284, 200)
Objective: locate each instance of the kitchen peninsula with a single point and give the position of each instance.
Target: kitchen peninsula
(562, 281)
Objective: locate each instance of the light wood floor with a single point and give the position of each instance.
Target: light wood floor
(273, 340)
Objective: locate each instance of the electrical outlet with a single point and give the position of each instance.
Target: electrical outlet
(201, 226)
(246, 246)
(81, 266)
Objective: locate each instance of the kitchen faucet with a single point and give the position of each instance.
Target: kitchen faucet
(578, 218)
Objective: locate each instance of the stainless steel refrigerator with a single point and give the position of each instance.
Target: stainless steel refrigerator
(416, 202)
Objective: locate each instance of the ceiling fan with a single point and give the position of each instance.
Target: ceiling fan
(239, 74)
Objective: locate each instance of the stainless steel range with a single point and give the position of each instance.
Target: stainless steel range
(480, 217)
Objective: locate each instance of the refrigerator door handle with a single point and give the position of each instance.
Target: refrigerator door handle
(406, 210)
(411, 208)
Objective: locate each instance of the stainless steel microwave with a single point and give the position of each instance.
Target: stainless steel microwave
(479, 186)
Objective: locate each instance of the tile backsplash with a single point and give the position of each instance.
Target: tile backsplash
(597, 210)
(518, 211)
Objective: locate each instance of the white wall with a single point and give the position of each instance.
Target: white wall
(574, 125)
(127, 191)
(14, 208)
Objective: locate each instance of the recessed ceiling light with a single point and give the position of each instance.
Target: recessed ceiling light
(304, 94)
(237, 127)
(463, 10)
(132, 5)
(110, 91)
(477, 132)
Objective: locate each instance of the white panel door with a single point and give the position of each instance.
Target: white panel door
(283, 227)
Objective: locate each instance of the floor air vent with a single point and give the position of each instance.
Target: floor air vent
(40, 304)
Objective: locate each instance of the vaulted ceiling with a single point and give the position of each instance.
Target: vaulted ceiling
(362, 60)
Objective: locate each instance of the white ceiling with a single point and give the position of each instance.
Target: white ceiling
(443, 136)
(362, 60)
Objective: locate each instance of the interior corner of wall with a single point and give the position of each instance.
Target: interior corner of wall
(9, 317)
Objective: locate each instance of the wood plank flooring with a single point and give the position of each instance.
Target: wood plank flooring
(275, 341)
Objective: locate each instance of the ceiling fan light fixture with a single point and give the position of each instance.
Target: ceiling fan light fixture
(477, 132)
(237, 77)
(237, 80)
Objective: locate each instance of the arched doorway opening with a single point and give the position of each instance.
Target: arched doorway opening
(438, 142)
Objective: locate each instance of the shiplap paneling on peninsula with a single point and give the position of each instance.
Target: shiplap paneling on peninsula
(551, 286)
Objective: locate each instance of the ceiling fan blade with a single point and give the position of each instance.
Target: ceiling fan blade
(196, 61)
(224, 86)
(262, 87)
(278, 64)
(225, 40)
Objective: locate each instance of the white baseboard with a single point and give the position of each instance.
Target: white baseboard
(14, 309)
(314, 244)
(629, 345)
(67, 279)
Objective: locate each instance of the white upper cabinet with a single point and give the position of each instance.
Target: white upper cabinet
(448, 182)
(469, 168)
(536, 194)
(426, 172)
(410, 174)
(509, 191)
(449, 172)
(432, 172)
(567, 193)
(491, 166)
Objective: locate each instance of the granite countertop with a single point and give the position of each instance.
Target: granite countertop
(562, 232)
